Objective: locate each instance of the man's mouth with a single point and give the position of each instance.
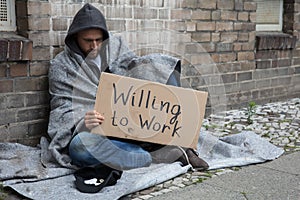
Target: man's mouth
(92, 53)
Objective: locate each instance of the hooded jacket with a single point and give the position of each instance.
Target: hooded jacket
(73, 82)
(87, 17)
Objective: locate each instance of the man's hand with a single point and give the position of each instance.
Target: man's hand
(93, 119)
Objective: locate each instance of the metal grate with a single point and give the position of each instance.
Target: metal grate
(3, 11)
(7, 15)
(268, 12)
(269, 15)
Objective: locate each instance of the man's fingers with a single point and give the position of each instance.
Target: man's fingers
(99, 116)
(93, 115)
(93, 119)
(92, 123)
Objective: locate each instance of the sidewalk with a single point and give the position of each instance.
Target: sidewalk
(278, 179)
(279, 123)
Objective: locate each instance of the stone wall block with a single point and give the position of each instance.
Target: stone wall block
(3, 49)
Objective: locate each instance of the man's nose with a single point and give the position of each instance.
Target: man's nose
(94, 44)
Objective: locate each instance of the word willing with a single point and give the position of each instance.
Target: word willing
(144, 100)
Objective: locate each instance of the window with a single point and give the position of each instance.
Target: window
(7, 15)
(269, 15)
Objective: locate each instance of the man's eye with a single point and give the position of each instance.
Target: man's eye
(88, 40)
(97, 40)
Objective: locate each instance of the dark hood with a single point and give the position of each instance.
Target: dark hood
(87, 17)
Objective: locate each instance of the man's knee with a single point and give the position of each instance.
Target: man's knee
(87, 148)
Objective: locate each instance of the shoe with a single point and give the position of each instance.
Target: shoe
(196, 162)
(169, 154)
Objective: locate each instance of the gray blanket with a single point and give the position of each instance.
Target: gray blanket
(30, 172)
(37, 172)
(73, 84)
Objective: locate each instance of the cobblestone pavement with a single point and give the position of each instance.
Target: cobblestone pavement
(277, 122)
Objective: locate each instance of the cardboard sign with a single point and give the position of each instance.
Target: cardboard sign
(148, 111)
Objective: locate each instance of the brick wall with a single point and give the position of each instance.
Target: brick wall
(216, 40)
(23, 96)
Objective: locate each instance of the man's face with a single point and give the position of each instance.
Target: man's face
(90, 41)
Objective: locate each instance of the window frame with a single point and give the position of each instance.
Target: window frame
(273, 27)
(10, 24)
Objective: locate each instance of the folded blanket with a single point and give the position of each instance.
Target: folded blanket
(73, 84)
(30, 171)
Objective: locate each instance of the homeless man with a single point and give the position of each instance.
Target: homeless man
(73, 80)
